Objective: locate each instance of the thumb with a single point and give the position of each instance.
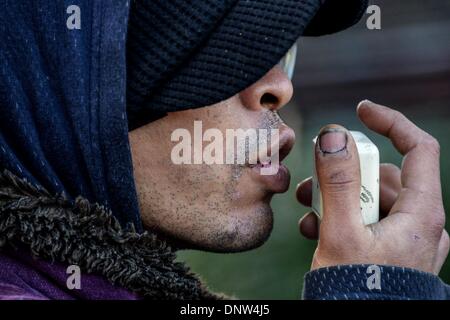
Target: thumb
(338, 173)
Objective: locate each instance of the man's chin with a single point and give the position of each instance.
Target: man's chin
(239, 234)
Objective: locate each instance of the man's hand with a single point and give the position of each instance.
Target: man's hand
(411, 230)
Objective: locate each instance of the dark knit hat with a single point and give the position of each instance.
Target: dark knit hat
(184, 54)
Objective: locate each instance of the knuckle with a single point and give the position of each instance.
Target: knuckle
(390, 168)
(341, 180)
(398, 116)
(437, 223)
(431, 144)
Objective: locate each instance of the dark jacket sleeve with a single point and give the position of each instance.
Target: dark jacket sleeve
(359, 282)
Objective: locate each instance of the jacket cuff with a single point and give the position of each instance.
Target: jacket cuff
(372, 282)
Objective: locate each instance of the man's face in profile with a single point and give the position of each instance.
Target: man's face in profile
(211, 206)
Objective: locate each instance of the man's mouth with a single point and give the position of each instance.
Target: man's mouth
(278, 181)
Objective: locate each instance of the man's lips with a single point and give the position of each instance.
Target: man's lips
(278, 182)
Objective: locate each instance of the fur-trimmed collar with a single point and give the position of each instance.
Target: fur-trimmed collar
(85, 234)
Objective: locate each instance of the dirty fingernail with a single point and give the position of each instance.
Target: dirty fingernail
(332, 140)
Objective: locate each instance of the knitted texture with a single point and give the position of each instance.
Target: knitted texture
(349, 282)
(184, 54)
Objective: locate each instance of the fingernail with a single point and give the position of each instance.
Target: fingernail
(366, 102)
(332, 140)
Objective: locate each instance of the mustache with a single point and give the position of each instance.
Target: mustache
(270, 120)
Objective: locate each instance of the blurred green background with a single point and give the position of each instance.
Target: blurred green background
(406, 65)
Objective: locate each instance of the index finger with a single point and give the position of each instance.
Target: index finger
(420, 168)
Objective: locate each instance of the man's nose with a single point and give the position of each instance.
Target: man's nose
(272, 91)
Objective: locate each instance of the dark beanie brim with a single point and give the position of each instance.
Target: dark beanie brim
(189, 54)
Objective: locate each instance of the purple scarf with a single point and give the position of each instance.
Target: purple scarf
(23, 277)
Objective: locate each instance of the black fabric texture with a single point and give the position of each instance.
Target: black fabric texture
(185, 54)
